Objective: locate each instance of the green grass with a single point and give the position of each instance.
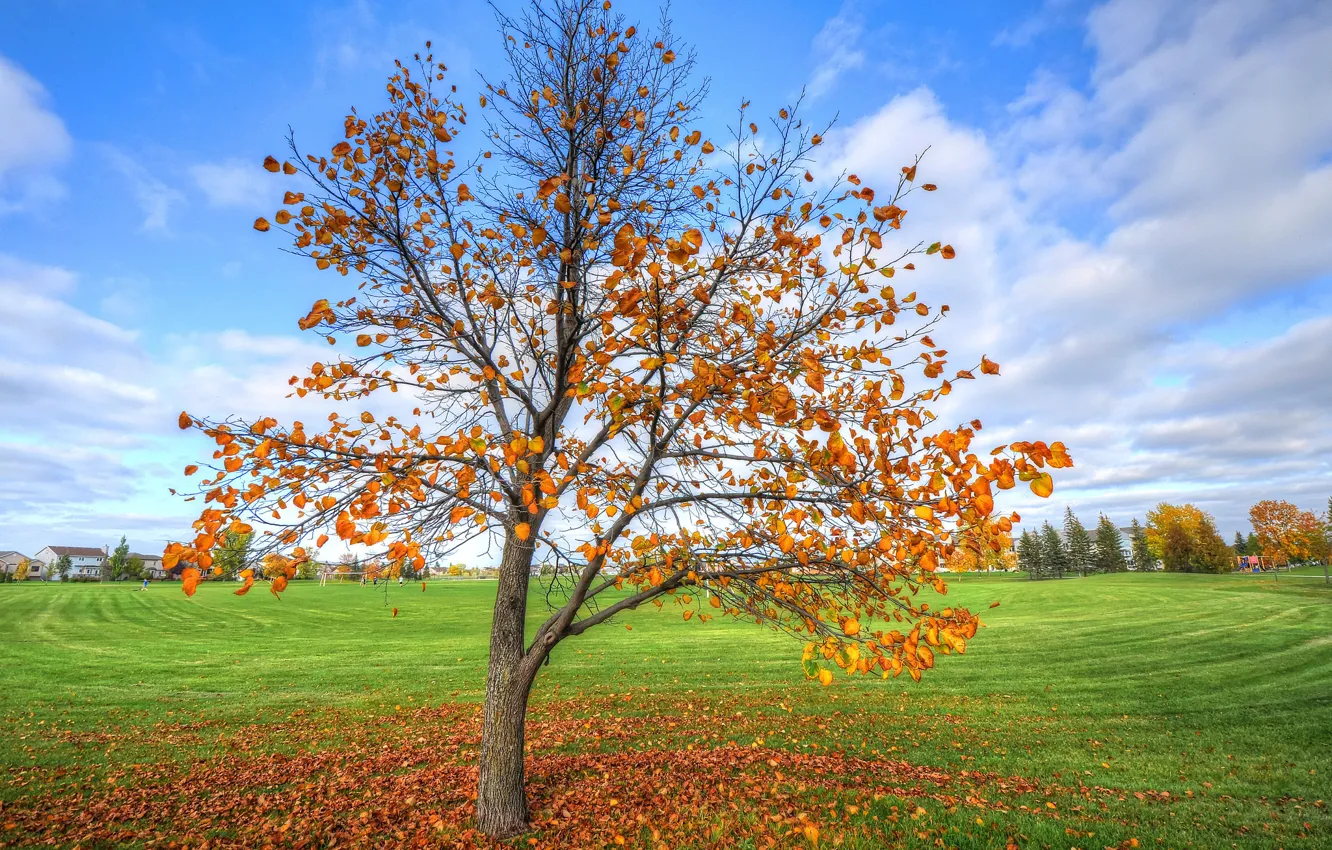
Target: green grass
(1217, 690)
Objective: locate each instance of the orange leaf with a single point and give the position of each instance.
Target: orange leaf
(261, 224)
(989, 367)
(271, 164)
(191, 469)
(279, 584)
(668, 57)
(523, 530)
(947, 252)
(1042, 485)
(395, 612)
(184, 421)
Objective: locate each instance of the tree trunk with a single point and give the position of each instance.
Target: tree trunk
(501, 801)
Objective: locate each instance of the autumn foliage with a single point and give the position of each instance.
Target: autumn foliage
(678, 370)
(1185, 538)
(1286, 533)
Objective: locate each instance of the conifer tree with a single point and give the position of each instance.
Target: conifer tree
(1054, 559)
(1109, 547)
(1078, 544)
(1029, 555)
(1142, 558)
(1251, 546)
(1238, 545)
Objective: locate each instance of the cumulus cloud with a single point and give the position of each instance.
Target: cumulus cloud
(1196, 138)
(33, 141)
(89, 443)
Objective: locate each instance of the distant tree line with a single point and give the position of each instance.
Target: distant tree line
(1177, 538)
(1047, 554)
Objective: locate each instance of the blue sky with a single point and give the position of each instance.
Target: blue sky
(1139, 192)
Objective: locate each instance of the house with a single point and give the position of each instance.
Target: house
(152, 566)
(10, 561)
(84, 561)
(21, 566)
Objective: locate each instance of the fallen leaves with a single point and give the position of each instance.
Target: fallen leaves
(408, 779)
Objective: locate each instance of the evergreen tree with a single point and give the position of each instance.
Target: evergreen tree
(1109, 547)
(1140, 552)
(1054, 559)
(117, 566)
(1238, 545)
(1078, 544)
(1029, 555)
(1251, 545)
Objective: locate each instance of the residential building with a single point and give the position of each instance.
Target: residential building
(84, 561)
(152, 566)
(10, 561)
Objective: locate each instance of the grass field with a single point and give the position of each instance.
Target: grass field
(1112, 711)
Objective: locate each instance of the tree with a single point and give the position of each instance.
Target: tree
(1286, 533)
(618, 347)
(1211, 554)
(1251, 545)
(1054, 557)
(1238, 545)
(1109, 548)
(1140, 552)
(1176, 548)
(118, 564)
(1077, 543)
(233, 555)
(1185, 538)
(63, 565)
(1029, 555)
(134, 569)
(1198, 546)
(307, 569)
(973, 556)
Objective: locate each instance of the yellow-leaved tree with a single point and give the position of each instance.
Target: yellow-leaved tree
(667, 364)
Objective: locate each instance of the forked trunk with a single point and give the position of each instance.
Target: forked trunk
(501, 801)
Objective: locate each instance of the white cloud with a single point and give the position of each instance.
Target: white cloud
(89, 443)
(233, 183)
(153, 196)
(33, 141)
(837, 51)
(1197, 138)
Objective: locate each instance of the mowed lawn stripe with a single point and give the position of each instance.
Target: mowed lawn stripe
(1210, 685)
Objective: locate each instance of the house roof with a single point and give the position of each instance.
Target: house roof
(77, 551)
(8, 552)
(145, 558)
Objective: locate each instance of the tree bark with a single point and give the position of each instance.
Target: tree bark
(501, 801)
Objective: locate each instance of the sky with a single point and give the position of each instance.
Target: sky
(1140, 194)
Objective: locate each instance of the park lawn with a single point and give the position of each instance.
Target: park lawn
(1170, 710)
